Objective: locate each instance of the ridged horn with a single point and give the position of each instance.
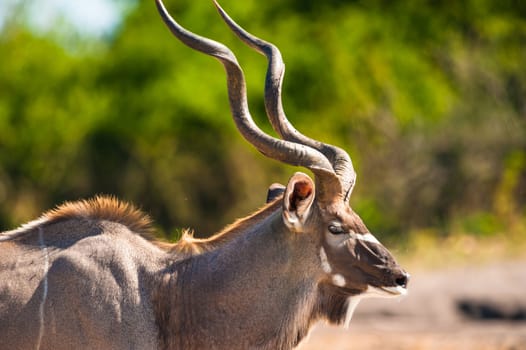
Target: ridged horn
(339, 159)
(327, 183)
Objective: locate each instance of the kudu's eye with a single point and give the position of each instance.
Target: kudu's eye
(336, 229)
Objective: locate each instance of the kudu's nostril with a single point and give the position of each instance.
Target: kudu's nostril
(402, 280)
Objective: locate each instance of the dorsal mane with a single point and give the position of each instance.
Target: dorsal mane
(188, 245)
(102, 208)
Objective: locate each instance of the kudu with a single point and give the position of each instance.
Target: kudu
(84, 276)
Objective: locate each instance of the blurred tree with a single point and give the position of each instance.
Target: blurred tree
(428, 97)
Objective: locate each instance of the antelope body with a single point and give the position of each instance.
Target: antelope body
(86, 276)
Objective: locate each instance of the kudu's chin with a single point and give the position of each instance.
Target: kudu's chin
(387, 292)
(370, 292)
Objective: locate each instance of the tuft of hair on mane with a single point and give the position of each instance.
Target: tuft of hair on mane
(189, 246)
(103, 207)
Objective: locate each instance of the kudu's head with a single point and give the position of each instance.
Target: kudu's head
(352, 260)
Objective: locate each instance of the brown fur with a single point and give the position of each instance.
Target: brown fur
(197, 293)
(188, 245)
(68, 279)
(103, 208)
(112, 209)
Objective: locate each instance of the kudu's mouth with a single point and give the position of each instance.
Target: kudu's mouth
(395, 291)
(397, 288)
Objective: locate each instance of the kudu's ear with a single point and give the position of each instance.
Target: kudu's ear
(297, 201)
(274, 191)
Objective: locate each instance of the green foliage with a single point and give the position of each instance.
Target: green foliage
(427, 97)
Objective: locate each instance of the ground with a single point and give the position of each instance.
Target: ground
(477, 307)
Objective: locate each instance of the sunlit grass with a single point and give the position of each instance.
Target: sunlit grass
(431, 249)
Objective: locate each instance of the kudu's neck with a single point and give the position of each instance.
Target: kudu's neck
(254, 288)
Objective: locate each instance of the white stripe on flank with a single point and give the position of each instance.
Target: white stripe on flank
(5, 236)
(44, 284)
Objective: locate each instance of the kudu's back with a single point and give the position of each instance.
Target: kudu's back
(77, 283)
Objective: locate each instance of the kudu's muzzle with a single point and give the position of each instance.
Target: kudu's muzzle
(377, 264)
(364, 262)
